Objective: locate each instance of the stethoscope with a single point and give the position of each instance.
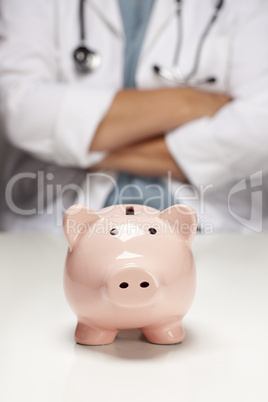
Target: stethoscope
(88, 60)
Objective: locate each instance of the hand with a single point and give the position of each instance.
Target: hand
(212, 103)
(150, 158)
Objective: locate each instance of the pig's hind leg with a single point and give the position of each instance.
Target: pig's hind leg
(165, 333)
(87, 335)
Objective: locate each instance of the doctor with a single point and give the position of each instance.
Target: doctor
(198, 110)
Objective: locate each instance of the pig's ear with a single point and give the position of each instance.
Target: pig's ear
(76, 221)
(182, 219)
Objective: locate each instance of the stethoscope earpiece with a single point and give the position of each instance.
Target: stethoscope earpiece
(211, 80)
(180, 80)
(87, 61)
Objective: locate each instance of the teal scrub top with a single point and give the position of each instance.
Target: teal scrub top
(135, 16)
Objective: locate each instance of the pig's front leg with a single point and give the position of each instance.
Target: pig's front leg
(166, 333)
(87, 335)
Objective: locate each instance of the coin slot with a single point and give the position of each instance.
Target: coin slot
(129, 211)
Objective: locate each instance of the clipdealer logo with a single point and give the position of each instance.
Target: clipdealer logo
(253, 183)
(249, 194)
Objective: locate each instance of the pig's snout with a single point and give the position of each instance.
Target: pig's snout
(132, 286)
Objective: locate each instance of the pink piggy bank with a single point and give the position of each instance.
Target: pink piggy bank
(129, 266)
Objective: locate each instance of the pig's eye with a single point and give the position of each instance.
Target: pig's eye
(152, 231)
(114, 231)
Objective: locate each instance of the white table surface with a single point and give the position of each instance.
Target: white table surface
(223, 357)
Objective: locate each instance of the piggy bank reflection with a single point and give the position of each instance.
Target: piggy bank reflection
(129, 266)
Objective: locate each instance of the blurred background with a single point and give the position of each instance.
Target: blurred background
(209, 58)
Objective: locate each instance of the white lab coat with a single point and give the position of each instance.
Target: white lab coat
(51, 112)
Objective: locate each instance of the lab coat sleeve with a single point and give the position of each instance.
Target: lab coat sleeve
(233, 144)
(52, 120)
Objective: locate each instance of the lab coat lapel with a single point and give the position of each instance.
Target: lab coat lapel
(162, 13)
(109, 13)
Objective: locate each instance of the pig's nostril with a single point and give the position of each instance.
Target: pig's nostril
(114, 231)
(123, 285)
(144, 285)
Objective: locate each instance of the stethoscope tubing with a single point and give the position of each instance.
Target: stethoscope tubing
(175, 75)
(82, 22)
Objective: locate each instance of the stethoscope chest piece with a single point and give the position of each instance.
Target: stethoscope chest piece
(87, 61)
